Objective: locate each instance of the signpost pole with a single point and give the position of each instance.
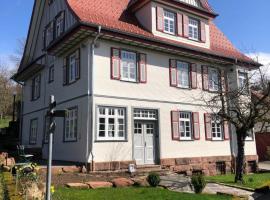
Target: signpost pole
(49, 164)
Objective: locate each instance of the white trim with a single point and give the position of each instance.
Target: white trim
(213, 84)
(216, 128)
(169, 22)
(129, 63)
(185, 117)
(72, 68)
(71, 125)
(193, 29)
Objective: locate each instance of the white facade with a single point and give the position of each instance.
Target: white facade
(156, 94)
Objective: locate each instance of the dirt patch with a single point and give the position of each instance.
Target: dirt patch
(61, 179)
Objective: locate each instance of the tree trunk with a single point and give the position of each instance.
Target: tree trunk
(240, 157)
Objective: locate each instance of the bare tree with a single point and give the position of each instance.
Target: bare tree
(234, 105)
(17, 56)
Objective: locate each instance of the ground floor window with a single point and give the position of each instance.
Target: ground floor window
(111, 123)
(33, 131)
(185, 125)
(216, 128)
(71, 125)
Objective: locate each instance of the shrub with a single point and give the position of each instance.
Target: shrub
(198, 183)
(153, 179)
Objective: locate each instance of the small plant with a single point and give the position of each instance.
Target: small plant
(251, 180)
(198, 183)
(153, 179)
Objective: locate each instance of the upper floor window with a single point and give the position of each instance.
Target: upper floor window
(128, 66)
(217, 133)
(51, 74)
(183, 74)
(49, 34)
(195, 3)
(59, 24)
(243, 81)
(36, 87)
(71, 125)
(111, 123)
(33, 131)
(213, 79)
(193, 27)
(169, 22)
(71, 69)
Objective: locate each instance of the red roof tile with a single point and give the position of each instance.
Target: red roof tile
(113, 14)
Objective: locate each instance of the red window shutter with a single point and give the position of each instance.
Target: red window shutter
(142, 68)
(203, 34)
(175, 125)
(180, 24)
(224, 81)
(65, 72)
(115, 63)
(186, 24)
(226, 130)
(205, 78)
(173, 73)
(208, 126)
(193, 75)
(160, 18)
(77, 70)
(196, 125)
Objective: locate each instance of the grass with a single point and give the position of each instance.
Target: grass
(1, 187)
(252, 181)
(5, 122)
(131, 194)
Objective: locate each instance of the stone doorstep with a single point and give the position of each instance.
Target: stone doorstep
(99, 184)
(77, 185)
(122, 182)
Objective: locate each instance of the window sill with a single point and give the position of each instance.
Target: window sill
(71, 83)
(35, 99)
(70, 141)
(184, 88)
(127, 81)
(106, 141)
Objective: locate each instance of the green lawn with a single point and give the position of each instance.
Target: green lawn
(251, 181)
(4, 122)
(1, 187)
(130, 194)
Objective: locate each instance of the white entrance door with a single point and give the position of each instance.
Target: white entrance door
(144, 148)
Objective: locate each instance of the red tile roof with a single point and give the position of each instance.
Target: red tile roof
(113, 14)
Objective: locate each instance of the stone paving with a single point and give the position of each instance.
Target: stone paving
(176, 182)
(213, 188)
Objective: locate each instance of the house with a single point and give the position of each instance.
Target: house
(131, 74)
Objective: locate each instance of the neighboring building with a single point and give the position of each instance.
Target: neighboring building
(134, 96)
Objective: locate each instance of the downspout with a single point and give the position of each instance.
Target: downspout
(21, 110)
(90, 99)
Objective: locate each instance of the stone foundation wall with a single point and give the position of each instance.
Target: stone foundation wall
(206, 165)
(111, 166)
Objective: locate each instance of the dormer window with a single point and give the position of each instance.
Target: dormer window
(195, 3)
(169, 22)
(193, 29)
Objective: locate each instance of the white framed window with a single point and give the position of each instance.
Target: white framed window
(71, 125)
(36, 81)
(195, 3)
(243, 81)
(213, 79)
(72, 68)
(51, 74)
(183, 74)
(169, 22)
(49, 34)
(111, 123)
(33, 131)
(128, 66)
(185, 125)
(145, 114)
(193, 29)
(59, 24)
(249, 136)
(217, 130)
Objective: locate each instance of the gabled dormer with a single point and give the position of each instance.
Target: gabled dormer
(185, 21)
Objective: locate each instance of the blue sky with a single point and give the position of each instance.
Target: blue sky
(242, 21)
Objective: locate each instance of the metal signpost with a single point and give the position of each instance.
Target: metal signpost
(52, 113)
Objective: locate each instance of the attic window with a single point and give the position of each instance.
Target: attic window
(195, 3)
